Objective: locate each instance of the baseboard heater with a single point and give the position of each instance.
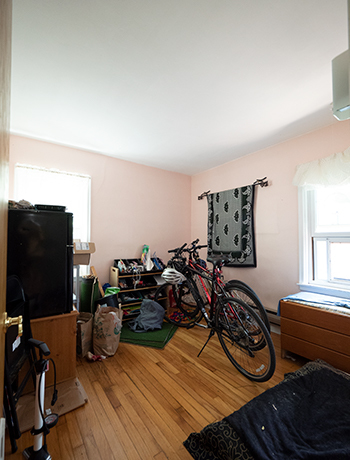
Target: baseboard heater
(273, 317)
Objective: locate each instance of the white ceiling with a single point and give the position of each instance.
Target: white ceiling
(183, 85)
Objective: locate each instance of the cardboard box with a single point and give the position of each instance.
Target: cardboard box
(71, 395)
(82, 253)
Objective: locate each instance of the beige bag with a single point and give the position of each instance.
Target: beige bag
(107, 328)
(84, 333)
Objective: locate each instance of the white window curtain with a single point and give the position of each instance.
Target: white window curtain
(332, 170)
(49, 186)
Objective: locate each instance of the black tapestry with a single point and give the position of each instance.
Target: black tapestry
(231, 226)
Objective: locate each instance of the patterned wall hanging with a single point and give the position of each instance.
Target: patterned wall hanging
(231, 225)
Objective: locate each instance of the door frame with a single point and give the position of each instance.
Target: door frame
(5, 95)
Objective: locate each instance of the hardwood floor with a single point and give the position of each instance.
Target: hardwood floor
(143, 402)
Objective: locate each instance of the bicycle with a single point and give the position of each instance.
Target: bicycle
(242, 334)
(234, 288)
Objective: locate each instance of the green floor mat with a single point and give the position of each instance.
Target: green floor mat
(155, 339)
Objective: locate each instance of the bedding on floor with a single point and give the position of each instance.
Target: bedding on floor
(306, 416)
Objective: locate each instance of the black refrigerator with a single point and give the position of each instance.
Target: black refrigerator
(40, 254)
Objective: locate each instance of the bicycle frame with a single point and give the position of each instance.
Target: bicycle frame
(242, 333)
(203, 272)
(189, 268)
(206, 274)
(217, 288)
(214, 298)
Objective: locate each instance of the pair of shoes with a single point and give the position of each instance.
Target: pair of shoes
(130, 297)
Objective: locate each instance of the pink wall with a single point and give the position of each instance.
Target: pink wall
(134, 204)
(131, 204)
(276, 216)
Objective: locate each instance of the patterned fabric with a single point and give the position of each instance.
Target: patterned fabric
(231, 226)
(217, 441)
(313, 366)
(220, 441)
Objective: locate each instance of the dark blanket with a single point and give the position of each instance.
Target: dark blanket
(307, 416)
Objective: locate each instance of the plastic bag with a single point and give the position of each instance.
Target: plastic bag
(112, 290)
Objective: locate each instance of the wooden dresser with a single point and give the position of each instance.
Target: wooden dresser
(59, 333)
(314, 333)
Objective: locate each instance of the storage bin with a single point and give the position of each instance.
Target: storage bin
(89, 293)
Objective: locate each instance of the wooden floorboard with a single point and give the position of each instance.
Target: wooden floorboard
(144, 402)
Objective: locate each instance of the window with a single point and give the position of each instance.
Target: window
(325, 239)
(48, 186)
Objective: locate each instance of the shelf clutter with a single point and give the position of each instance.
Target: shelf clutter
(131, 281)
(135, 283)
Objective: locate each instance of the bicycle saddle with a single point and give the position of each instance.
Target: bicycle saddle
(219, 260)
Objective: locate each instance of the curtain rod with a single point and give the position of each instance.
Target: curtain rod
(262, 182)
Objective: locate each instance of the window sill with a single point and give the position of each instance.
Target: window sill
(317, 289)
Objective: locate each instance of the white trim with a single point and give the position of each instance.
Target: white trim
(304, 231)
(324, 290)
(89, 208)
(306, 214)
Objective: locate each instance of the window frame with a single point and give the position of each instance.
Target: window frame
(328, 239)
(307, 213)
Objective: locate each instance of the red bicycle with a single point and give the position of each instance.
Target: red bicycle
(234, 288)
(241, 332)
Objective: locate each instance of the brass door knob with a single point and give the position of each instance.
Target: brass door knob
(8, 322)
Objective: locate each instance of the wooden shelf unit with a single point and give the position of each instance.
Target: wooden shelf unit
(143, 290)
(315, 333)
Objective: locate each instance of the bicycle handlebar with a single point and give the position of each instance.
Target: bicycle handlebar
(191, 250)
(195, 245)
(178, 251)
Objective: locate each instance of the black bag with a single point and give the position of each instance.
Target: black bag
(151, 317)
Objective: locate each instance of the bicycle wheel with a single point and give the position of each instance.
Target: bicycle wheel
(239, 290)
(245, 339)
(179, 304)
